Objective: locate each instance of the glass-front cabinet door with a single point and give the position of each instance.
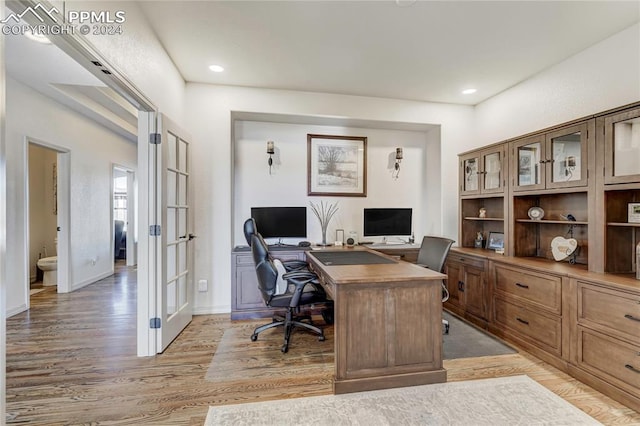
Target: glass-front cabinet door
(622, 147)
(470, 174)
(552, 160)
(566, 157)
(528, 163)
(493, 165)
(482, 172)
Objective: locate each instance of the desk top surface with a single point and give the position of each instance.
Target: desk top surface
(370, 273)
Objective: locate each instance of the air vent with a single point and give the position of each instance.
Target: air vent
(106, 71)
(96, 63)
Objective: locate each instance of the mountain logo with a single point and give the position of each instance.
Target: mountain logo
(36, 11)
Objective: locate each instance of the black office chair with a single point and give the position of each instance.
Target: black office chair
(250, 228)
(432, 255)
(120, 240)
(303, 289)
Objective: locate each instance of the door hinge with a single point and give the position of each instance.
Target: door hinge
(155, 138)
(155, 323)
(155, 230)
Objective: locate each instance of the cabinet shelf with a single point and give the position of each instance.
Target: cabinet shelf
(560, 222)
(500, 219)
(624, 224)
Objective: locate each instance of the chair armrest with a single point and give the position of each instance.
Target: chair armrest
(300, 279)
(294, 265)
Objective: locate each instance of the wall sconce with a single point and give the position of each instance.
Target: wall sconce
(270, 151)
(396, 173)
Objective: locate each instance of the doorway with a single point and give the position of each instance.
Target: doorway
(47, 216)
(124, 215)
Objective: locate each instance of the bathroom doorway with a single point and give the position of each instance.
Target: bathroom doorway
(124, 215)
(47, 231)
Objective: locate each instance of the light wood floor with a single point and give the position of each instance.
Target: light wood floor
(71, 359)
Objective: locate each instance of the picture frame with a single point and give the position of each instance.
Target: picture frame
(495, 241)
(337, 165)
(634, 213)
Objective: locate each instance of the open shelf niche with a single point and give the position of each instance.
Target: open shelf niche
(472, 223)
(533, 237)
(621, 236)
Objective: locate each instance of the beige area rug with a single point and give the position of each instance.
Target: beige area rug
(511, 401)
(35, 291)
(233, 362)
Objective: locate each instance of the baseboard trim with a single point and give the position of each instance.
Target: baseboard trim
(212, 310)
(16, 310)
(84, 283)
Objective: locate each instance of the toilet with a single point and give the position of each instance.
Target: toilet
(49, 265)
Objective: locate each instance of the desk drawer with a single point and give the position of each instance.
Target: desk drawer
(543, 290)
(613, 360)
(617, 312)
(467, 260)
(540, 330)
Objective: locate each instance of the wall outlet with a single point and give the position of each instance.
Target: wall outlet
(203, 286)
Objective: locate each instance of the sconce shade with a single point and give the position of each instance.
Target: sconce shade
(398, 153)
(270, 147)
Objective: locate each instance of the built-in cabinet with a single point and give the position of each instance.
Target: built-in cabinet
(467, 286)
(246, 299)
(581, 313)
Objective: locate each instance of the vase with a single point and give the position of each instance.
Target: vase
(324, 237)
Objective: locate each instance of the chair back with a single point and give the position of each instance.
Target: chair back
(266, 271)
(433, 252)
(249, 229)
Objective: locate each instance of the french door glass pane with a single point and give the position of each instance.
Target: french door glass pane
(471, 174)
(626, 139)
(566, 158)
(529, 164)
(171, 151)
(172, 302)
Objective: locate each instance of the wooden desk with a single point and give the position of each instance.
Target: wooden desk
(388, 323)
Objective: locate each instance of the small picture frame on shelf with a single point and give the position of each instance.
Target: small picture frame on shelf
(634, 213)
(496, 241)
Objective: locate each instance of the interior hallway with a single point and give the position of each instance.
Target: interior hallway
(72, 359)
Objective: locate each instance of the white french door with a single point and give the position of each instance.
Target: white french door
(175, 277)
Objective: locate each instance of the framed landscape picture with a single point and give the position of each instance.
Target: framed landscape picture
(337, 165)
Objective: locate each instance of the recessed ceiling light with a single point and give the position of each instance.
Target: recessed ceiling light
(216, 68)
(37, 37)
(468, 91)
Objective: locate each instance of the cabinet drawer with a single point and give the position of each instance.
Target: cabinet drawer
(244, 259)
(540, 289)
(616, 311)
(613, 360)
(466, 260)
(540, 330)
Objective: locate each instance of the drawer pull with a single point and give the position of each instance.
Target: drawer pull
(522, 285)
(522, 321)
(632, 368)
(631, 317)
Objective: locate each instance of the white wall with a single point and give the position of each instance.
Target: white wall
(42, 219)
(93, 149)
(139, 55)
(209, 110)
(287, 183)
(604, 76)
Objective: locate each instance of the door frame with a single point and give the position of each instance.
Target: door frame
(63, 222)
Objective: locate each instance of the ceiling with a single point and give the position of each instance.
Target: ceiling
(404, 49)
(424, 50)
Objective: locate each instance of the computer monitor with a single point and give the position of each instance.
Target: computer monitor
(387, 222)
(280, 222)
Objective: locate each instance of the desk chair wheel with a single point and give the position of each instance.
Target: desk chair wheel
(254, 337)
(285, 348)
(321, 339)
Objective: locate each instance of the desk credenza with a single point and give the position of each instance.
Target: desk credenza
(388, 328)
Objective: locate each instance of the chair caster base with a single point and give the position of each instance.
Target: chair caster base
(321, 339)
(284, 349)
(254, 337)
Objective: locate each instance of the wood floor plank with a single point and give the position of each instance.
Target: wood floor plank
(71, 359)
